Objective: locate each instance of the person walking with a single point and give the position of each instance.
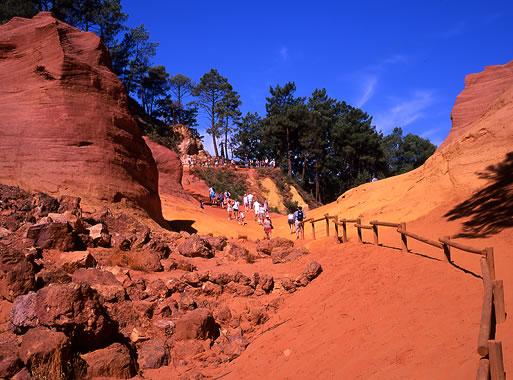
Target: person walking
(268, 227)
(299, 217)
(245, 201)
(236, 209)
(291, 221)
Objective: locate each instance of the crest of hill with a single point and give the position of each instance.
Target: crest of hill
(65, 126)
(481, 136)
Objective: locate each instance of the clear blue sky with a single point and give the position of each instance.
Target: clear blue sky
(403, 62)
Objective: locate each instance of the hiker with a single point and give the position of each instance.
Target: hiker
(261, 215)
(245, 201)
(242, 218)
(256, 207)
(268, 227)
(266, 205)
(250, 200)
(202, 203)
(220, 197)
(212, 195)
(236, 209)
(229, 209)
(299, 216)
(291, 221)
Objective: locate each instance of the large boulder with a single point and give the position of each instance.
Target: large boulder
(10, 362)
(283, 254)
(196, 246)
(104, 282)
(74, 309)
(48, 355)
(112, 361)
(126, 231)
(69, 262)
(196, 324)
(16, 273)
(266, 247)
(152, 353)
(65, 126)
(53, 235)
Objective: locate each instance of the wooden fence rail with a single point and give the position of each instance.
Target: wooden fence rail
(491, 363)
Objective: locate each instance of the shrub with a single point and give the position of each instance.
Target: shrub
(222, 179)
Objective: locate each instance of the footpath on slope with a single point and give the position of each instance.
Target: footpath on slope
(373, 312)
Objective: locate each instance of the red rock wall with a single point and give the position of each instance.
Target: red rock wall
(65, 127)
(481, 92)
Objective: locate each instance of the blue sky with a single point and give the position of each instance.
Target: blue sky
(403, 62)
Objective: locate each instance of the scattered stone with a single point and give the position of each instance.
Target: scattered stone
(195, 246)
(99, 235)
(72, 261)
(180, 264)
(288, 285)
(71, 308)
(266, 247)
(52, 236)
(126, 231)
(152, 354)
(283, 255)
(16, 273)
(196, 324)
(112, 361)
(104, 282)
(217, 242)
(47, 354)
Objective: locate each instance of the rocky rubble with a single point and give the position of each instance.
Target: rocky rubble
(86, 295)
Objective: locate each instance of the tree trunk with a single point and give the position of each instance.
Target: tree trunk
(303, 174)
(213, 123)
(226, 139)
(317, 185)
(216, 152)
(289, 158)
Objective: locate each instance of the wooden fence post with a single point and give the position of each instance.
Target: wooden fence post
(359, 230)
(327, 225)
(483, 372)
(313, 230)
(490, 260)
(498, 301)
(375, 231)
(335, 221)
(485, 325)
(404, 238)
(344, 232)
(496, 360)
(447, 249)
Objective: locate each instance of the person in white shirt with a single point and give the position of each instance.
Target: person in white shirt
(250, 200)
(256, 207)
(245, 202)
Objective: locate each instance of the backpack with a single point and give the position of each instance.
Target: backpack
(300, 215)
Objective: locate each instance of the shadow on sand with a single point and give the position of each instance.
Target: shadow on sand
(489, 210)
(179, 225)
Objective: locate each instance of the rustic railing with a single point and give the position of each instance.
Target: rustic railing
(491, 363)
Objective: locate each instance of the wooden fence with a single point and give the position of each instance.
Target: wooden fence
(491, 363)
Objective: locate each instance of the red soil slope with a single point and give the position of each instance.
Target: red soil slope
(65, 127)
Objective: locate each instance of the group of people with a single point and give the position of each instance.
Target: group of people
(210, 162)
(295, 220)
(237, 211)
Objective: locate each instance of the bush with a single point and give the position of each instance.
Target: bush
(223, 179)
(290, 205)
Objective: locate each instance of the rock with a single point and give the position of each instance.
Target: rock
(283, 255)
(196, 324)
(112, 361)
(216, 242)
(71, 204)
(239, 289)
(4, 232)
(52, 275)
(176, 285)
(223, 314)
(312, 270)
(104, 282)
(16, 273)
(210, 289)
(70, 308)
(266, 283)
(10, 363)
(53, 236)
(72, 261)
(24, 374)
(126, 231)
(288, 285)
(166, 308)
(76, 223)
(186, 302)
(144, 260)
(195, 246)
(181, 264)
(236, 252)
(241, 278)
(48, 355)
(87, 143)
(153, 353)
(192, 278)
(221, 278)
(130, 315)
(265, 247)
(157, 289)
(100, 235)
(232, 345)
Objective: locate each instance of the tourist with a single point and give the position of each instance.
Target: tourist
(245, 201)
(261, 215)
(268, 227)
(236, 209)
(242, 218)
(256, 207)
(229, 209)
(291, 220)
(299, 217)
(250, 201)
